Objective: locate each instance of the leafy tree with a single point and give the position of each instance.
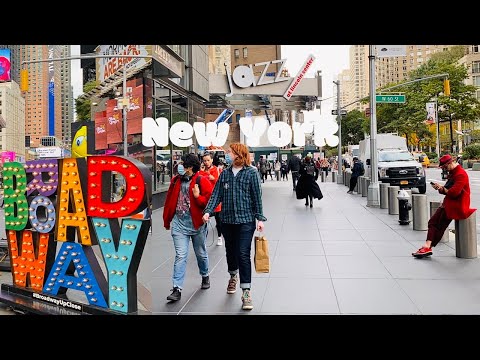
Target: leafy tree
(83, 106)
(352, 127)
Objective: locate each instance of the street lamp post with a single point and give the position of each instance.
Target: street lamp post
(125, 105)
(373, 193)
(339, 117)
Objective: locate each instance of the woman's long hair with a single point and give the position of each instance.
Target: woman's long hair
(243, 155)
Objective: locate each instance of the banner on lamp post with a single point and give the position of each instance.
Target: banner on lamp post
(431, 115)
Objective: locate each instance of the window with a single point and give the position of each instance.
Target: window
(475, 67)
(237, 53)
(245, 52)
(474, 49)
(476, 80)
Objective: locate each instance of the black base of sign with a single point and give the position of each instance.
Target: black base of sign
(24, 301)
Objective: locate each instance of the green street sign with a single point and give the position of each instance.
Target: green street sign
(390, 98)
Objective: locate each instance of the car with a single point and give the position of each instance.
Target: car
(421, 157)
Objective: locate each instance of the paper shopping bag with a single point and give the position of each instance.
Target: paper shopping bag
(262, 260)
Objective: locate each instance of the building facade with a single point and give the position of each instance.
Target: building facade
(254, 54)
(472, 61)
(12, 111)
(218, 55)
(387, 70)
(66, 95)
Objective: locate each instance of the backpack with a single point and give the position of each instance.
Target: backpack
(310, 169)
(196, 182)
(362, 169)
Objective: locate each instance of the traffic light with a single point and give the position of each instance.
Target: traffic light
(23, 80)
(446, 87)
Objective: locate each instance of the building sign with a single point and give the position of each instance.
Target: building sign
(391, 50)
(49, 152)
(51, 92)
(243, 76)
(296, 81)
(53, 220)
(106, 67)
(168, 60)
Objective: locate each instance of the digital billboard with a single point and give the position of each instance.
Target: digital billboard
(5, 65)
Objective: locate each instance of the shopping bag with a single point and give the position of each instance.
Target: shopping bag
(262, 260)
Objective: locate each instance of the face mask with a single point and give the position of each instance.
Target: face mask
(181, 169)
(228, 159)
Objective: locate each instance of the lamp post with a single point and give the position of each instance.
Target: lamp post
(125, 104)
(339, 117)
(373, 193)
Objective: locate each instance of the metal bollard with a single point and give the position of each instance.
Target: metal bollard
(364, 187)
(323, 176)
(420, 212)
(334, 176)
(347, 179)
(434, 205)
(357, 187)
(344, 178)
(392, 200)
(384, 195)
(466, 237)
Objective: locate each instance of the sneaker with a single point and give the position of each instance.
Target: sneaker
(206, 282)
(219, 241)
(247, 300)
(175, 295)
(349, 192)
(232, 285)
(423, 252)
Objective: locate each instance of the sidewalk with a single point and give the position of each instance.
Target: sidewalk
(340, 257)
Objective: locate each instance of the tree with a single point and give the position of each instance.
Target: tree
(352, 127)
(83, 105)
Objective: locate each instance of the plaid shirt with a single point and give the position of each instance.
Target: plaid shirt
(241, 196)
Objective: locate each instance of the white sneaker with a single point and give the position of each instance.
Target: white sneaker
(219, 241)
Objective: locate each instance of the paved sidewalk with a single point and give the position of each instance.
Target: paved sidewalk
(339, 257)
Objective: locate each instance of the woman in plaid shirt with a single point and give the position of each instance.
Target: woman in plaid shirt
(238, 189)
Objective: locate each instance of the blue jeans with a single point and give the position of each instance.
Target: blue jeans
(181, 243)
(238, 244)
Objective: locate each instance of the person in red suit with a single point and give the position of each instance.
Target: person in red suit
(455, 206)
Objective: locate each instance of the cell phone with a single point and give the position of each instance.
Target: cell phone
(432, 183)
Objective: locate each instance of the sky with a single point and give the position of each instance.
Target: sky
(330, 59)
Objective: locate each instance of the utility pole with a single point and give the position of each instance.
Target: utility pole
(125, 104)
(339, 119)
(373, 193)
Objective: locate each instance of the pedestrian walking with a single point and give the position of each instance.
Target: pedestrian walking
(455, 205)
(307, 187)
(294, 167)
(238, 189)
(278, 167)
(186, 198)
(284, 170)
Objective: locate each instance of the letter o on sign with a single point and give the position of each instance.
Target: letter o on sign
(243, 76)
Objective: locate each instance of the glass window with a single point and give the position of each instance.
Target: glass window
(476, 80)
(475, 67)
(179, 100)
(237, 53)
(161, 92)
(245, 52)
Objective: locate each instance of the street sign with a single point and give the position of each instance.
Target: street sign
(343, 112)
(390, 98)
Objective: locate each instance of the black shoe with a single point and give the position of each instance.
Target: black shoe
(205, 282)
(306, 204)
(175, 295)
(311, 204)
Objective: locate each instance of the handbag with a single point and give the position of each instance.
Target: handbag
(262, 259)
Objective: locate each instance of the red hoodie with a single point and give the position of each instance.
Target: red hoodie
(196, 204)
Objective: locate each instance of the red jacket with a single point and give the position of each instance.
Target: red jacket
(215, 172)
(457, 198)
(196, 204)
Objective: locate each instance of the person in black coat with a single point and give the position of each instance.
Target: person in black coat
(307, 187)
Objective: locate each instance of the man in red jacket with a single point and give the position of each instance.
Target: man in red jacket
(456, 204)
(186, 199)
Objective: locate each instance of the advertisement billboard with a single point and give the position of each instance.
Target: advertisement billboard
(106, 67)
(5, 65)
(83, 139)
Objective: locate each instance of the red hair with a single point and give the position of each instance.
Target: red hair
(243, 155)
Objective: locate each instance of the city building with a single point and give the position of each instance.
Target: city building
(173, 83)
(389, 70)
(12, 116)
(472, 61)
(66, 95)
(218, 55)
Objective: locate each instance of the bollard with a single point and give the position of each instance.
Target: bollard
(348, 177)
(345, 178)
(392, 200)
(323, 176)
(334, 176)
(466, 237)
(384, 195)
(364, 187)
(434, 205)
(420, 212)
(357, 187)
